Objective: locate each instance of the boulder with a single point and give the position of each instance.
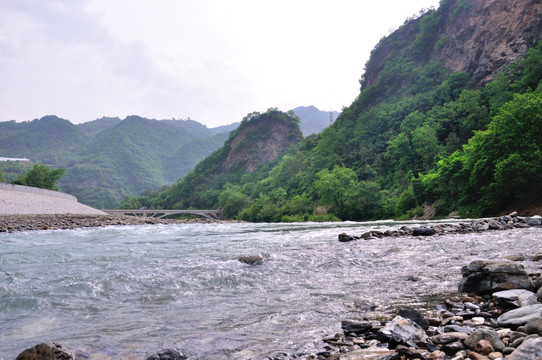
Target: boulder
(515, 298)
(401, 331)
(343, 237)
(168, 354)
(529, 350)
(520, 316)
(485, 334)
(534, 326)
(250, 259)
(486, 277)
(46, 351)
(421, 231)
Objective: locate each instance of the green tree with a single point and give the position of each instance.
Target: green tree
(232, 202)
(41, 176)
(1, 177)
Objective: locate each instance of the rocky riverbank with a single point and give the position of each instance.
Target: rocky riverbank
(507, 222)
(15, 223)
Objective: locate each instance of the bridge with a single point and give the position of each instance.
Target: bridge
(209, 214)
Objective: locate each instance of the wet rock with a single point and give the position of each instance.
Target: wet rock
(401, 331)
(485, 334)
(515, 298)
(537, 257)
(529, 350)
(346, 238)
(520, 316)
(486, 277)
(250, 259)
(168, 354)
(46, 351)
(539, 295)
(356, 326)
(422, 231)
(453, 347)
(534, 326)
(415, 316)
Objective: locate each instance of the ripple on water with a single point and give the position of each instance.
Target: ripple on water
(129, 291)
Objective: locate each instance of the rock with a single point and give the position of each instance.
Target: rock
(168, 354)
(346, 238)
(533, 221)
(484, 347)
(485, 334)
(372, 352)
(515, 298)
(486, 277)
(421, 231)
(401, 331)
(537, 257)
(46, 351)
(448, 337)
(495, 356)
(534, 326)
(355, 326)
(531, 349)
(476, 356)
(250, 259)
(415, 316)
(537, 283)
(517, 257)
(539, 295)
(520, 316)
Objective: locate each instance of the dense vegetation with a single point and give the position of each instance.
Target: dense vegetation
(418, 135)
(41, 176)
(109, 158)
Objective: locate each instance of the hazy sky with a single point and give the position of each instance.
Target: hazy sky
(211, 60)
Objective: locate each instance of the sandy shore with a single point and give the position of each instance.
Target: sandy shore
(25, 203)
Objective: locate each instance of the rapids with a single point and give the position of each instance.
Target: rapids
(125, 292)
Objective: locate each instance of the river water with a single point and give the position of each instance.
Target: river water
(126, 292)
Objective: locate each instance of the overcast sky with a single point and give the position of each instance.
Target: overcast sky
(211, 60)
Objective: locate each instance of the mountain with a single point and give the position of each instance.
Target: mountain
(49, 140)
(313, 120)
(258, 141)
(447, 120)
(109, 158)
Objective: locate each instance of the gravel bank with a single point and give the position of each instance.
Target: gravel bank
(15, 223)
(26, 203)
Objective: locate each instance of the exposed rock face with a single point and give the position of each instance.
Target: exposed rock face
(478, 37)
(259, 142)
(485, 35)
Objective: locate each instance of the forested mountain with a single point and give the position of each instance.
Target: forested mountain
(108, 159)
(448, 119)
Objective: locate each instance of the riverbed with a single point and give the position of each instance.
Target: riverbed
(125, 292)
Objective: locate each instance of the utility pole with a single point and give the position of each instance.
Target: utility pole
(330, 117)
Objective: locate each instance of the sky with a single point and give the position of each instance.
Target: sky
(213, 61)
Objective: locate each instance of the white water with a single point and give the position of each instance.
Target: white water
(127, 292)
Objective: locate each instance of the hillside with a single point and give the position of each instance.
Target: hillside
(447, 119)
(259, 140)
(109, 158)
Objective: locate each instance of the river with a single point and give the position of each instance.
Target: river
(125, 292)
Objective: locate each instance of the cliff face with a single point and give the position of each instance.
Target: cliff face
(478, 37)
(482, 36)
(260, 141)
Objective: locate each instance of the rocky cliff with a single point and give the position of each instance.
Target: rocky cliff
(478, 37)
(260, 140)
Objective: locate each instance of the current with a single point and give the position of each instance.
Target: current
(126, 292)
